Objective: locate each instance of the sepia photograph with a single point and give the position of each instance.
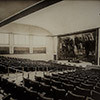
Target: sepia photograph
(49, 49)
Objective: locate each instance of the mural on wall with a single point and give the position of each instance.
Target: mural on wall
(81, 46)
(4, 50)
(21, 50)
(37, 50)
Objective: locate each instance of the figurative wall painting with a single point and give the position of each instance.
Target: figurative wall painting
(21, 50)
(39, 50)
(4, 50)
(81, 46)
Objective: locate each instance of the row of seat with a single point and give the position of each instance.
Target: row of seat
(54, 87)
(88, 85)
(19, 92)
(85, 81)
(29, 65)
(4, 95)
(55, 92)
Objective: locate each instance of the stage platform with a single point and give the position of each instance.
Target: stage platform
(81, 63)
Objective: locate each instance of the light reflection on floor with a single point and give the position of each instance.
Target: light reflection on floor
(18, 77)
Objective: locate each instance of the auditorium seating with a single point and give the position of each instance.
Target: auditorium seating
(58, 93)
(47, 81)
(29, 65)
(98, 84)
(45, 88)
(87, 86)
(38, 78)
(82, 91)
(67, 87)
(57, 84)
(81, 88)
(34, 85)
(96, 88)
(42, 97)
(95, 95)
(72, 96)
(7, 97)
(65, 80)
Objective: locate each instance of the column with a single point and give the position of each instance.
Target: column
(11, 42)
(55, 46)
(31, 46)
(99, 48)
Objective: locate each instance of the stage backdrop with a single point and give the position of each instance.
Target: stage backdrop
(81, 46)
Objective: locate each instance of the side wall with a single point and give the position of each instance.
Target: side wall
(31, 32)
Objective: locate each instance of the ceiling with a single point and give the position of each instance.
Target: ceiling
(9, 8)
(59, 17)
(66, 17)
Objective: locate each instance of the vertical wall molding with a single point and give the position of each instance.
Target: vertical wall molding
(55, 43)
(11, 42)
(30, 43)
(99, 47)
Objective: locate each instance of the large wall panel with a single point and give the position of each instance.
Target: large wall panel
(4, 38)
(21, 39)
